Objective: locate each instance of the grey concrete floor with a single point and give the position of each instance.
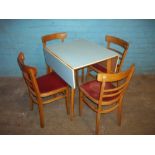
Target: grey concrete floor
(17, 119)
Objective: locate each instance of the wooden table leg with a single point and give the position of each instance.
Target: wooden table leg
(109, 61)
(114, 64)
(111, 64)
(48, 69)
(72, 103)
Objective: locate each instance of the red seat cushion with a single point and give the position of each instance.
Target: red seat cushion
(99, 67)
(92, 88)
(50, 82)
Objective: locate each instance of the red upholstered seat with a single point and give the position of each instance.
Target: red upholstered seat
(99, 67)
(92, 88)
(50, 82)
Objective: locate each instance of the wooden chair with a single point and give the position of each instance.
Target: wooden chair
(50, 37)
(44, 89)
(106, 93)
(111, 40)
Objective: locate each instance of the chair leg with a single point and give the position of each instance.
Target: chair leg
(119, 112)
(41, 114)
(98, 114)
(80, 102)
(67, 100)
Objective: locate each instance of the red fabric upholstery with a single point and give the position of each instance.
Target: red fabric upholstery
(99, 67)
(92, 88)
(50, 82)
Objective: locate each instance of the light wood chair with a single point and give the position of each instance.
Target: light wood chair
(61, 36)
(42, 90)
(106, 93)
(101, 67)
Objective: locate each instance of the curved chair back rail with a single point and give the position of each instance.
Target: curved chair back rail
(122, 43)
(50, 37)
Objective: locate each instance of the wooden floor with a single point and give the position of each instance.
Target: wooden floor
(16, 118)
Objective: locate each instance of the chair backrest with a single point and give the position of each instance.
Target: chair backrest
(49, 37)
(114, 40)
(29, 75)
(119, 82)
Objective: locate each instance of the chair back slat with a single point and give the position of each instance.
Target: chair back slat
(120, 53)
(112, 93)
(28, 81)
(29, 75)
(115, 77)
(115, 40)
(119, 82)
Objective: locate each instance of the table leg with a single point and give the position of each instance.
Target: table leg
(72, 103)
(114, 64)
(109, 61)
(48, 69)
(111, 64)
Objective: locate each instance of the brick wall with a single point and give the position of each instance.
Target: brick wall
(25, 35)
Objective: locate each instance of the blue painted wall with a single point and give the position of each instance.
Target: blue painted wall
(25, 35)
